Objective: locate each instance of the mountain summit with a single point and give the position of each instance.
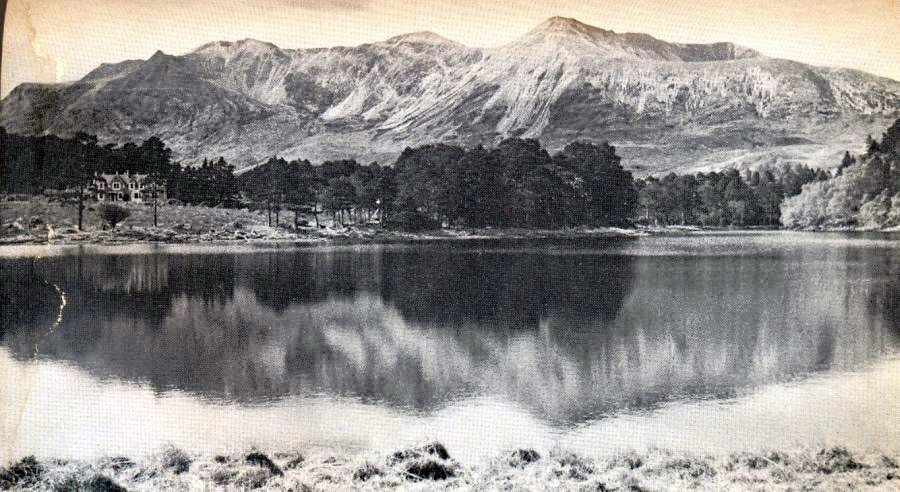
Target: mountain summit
(565, 26)
(561, 33)
(426, 37)
(666, 106)
(564, 34)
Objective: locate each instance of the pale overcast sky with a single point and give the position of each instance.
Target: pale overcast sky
(61, 40)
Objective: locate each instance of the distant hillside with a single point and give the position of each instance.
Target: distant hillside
(666, 106)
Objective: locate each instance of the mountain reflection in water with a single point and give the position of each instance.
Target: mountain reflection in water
(568, 333)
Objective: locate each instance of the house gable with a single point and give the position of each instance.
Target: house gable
(125, 187)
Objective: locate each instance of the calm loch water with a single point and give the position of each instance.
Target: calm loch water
(714, 342)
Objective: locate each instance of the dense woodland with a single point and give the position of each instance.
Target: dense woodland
(515, 184)
(722, 199)
(864, 193)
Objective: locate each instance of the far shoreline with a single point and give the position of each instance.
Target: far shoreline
(328, 236)
(352, 236)
(42, 222)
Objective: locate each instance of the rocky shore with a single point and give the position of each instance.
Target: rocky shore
(432, 467)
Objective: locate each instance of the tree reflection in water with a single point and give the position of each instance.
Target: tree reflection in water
(568, 333)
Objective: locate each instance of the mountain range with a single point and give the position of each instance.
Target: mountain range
(666, 106)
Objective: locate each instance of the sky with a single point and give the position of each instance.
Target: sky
(62, 40)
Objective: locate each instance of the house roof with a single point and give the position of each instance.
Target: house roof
(122, 176)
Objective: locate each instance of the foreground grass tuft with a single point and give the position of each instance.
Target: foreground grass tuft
(22, 474)
(522, 457)
(434, 449)
(575, 467)
(175, 460)
(430, 469)
(837, 460)
(430, 461)
(366, 472)
(93, 483)
(262, 460)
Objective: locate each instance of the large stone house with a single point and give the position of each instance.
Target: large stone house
(126, 187)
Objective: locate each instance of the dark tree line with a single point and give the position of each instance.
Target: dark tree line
(722, 199)
(349, 191)
(34, 165)
(516, 184)
(212, 183)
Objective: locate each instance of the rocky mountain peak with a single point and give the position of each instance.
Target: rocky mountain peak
(229, 49)
(564, 34)
(420, 37)
(564, 28)
(159, 61)
(250, 44)
(564, 25)
(159, 56)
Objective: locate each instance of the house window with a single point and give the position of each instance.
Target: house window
(136, 196)
(131, 185)
(120, 196)
(116, 185)
(101, 185)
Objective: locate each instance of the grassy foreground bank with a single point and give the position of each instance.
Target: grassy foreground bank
(432, 467)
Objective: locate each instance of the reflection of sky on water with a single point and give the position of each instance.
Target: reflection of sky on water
(547, 337)
(63, 412)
